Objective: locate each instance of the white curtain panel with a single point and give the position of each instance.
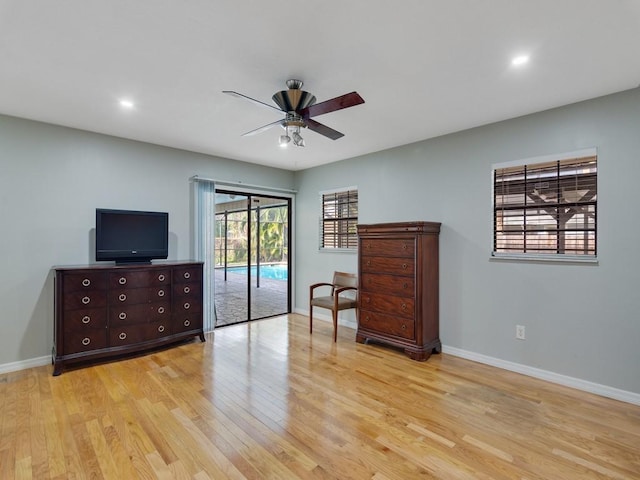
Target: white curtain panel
(204, 243)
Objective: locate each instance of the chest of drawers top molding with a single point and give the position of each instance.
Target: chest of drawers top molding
(106, 310)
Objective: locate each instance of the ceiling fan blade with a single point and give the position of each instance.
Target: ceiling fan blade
(344, 101)
(258, 102)
(263, 128)
(323, 129)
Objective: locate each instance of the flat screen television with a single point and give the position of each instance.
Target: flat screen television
(129, 236)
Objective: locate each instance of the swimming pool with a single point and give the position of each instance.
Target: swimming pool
(274, 272)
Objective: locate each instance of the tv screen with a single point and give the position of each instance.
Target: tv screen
(128, 236)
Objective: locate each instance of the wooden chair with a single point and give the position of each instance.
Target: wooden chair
(342, 282)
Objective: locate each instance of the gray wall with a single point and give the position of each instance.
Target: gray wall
(581, 320)
(51, 181)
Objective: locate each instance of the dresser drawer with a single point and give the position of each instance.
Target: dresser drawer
(393, 247)
(187, 290)
(132, 296)
(186, 305)
(389, 284)
(86, 318)
(377, 302)
(186, 322)
(88, 299)
(85, 340)
(142, 313)
(387, 324)
(390, 265)
(191, 274)
(139, 278)
(130, 334)
(85, 281)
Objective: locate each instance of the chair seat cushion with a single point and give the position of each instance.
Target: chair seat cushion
(327, 302)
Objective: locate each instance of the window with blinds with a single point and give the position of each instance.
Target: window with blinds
(339, 219)
(547, 208)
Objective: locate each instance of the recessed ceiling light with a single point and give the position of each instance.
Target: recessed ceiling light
(128, 104)
(520, 60)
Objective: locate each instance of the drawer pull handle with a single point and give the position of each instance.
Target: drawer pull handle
(161, 328)
(368, 299)
(86, 300)
(86, 319)
(187, 289)
(404, 246)
(161, 277)
(404, 327)
(368, 263)
(161, 293)
(122, 297)
(122, 315)
(122, 281)
(405, 285)
(187, 275)
(187, 323)
(403, 306)
(160, 310)
(404, 265)
(187, 305)
(86, 282)
(122, 336)
(86, 341)
(366, 319)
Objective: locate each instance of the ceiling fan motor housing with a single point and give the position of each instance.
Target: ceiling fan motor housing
(294, 99)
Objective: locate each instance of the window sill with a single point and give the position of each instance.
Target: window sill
(338, 250)
(572, 259)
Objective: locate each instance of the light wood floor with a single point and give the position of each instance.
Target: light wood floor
(268, 401)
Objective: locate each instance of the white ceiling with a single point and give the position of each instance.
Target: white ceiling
(424, 67)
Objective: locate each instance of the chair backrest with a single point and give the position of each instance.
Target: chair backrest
(342, 279)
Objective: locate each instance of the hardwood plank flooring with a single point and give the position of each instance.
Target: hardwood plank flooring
(266, 400)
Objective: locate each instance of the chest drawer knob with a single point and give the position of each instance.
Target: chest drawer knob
(405, 285)
(368, 263)
(404, 265)
(161, 310)
(403, 306)
(86, 282)
(187, 289)
(122, 315)
(122, 336)
(404, 246)
(187, 305)
(161, 293)
(122, 297)
(367, 299)
(86, 341)
(86, 319)
(161, 277)
(186, 323)
(187, 275)
(161, 328)
(122, 280)
(404, 327)
(86, 300)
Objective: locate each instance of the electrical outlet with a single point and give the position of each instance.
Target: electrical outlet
(520, 332)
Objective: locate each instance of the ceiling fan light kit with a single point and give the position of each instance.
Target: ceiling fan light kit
(299, 106)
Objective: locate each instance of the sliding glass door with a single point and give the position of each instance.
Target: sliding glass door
(252, 235)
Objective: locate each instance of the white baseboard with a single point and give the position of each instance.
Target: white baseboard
(584, 385)
(327, 318)
(24, 364)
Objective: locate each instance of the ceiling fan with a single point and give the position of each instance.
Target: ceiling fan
(299, 107)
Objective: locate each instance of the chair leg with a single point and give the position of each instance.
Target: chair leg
(335, 325)
(310, 319)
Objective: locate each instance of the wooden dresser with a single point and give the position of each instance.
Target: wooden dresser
(103, 311)
(398, 286)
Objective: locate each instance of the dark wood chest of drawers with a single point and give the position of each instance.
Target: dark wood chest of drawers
(104, 311)
(398, 286)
